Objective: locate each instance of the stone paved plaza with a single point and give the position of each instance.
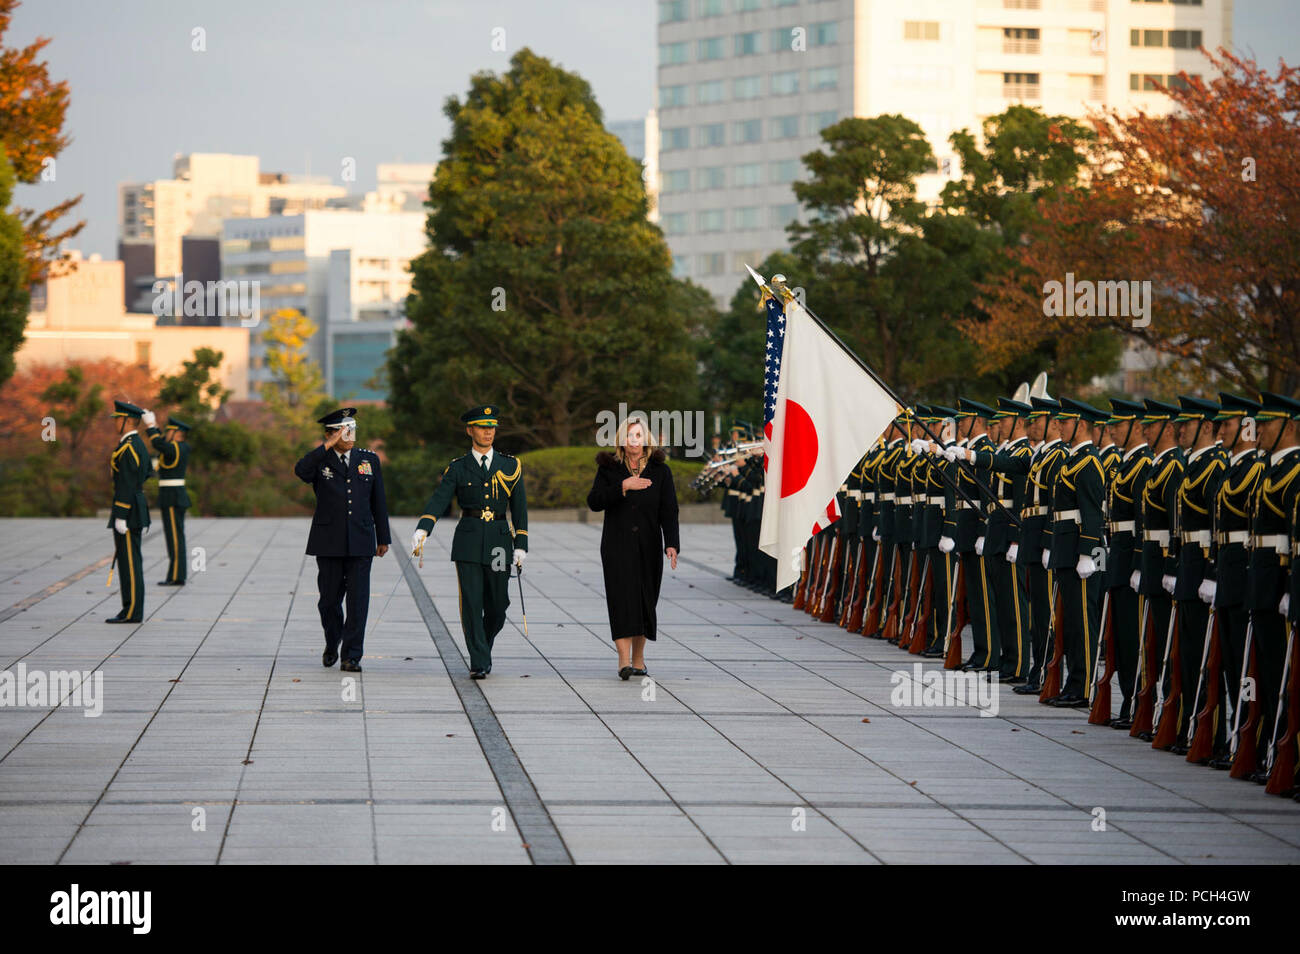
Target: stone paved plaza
(765, 736)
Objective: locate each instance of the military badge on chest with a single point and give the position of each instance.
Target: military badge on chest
(326, 473)
(364, 468)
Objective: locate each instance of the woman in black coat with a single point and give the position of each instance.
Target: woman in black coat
(634, 487)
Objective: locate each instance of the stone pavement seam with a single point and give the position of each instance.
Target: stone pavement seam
(536, 828)
(53, 588)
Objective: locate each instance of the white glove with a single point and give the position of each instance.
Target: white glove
(979, 547)
(1135, 580)
(1047, 558)
(417, 539)
(1086, 566)
(919, 446)
(875, 533)
(149, 420)
(1207, 590)
(950, 453)
(1012, 551)
(1168, 582)
(519, 558)
(946, 544)
(119, 525)
(1284, 604)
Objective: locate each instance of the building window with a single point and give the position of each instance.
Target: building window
(711, 263)
(785, 3)
(746, 217)
(785, 83)
(747, 87)
(747, 44)
(921, 29)
(711, 92)
(784, 214)
(672, 11)
(782, 171)
(748, 6)
(823, 119)
(824, 77)
(1021, 40)
(822, 34)
(675, 223)
(672, 54)
(676, 137)
(783, 40)
(670, 96)
(748, 174)
(748, 130)
(713, 134)
(679, 268)
(740, 259)
(711, 177)
(785, 127)
(710, 48)
(676, 180)
(1020, 86)
(1147, 82)
(710, 8)
(712, 220)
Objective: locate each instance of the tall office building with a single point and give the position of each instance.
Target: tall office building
(640, 137)
(746, 86)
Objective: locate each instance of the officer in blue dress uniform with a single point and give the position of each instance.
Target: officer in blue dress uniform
(129, 518)
(348, 530)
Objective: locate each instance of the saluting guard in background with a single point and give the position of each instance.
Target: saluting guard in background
(129, 518)
(173, 460)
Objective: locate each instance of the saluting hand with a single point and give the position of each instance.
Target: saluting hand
(672, 557)
(336, 435)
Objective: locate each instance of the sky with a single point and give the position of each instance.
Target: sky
(305, 84)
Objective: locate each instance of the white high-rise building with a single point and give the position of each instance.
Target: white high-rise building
(746, 86)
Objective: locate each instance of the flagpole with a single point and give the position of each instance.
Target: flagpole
(897, 400)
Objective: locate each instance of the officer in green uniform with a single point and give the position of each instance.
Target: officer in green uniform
(1205, 466)
(927, 504)
(884, 529)
(129, 518)
(1123, 498)
(487, 485)
(1075, 546)
(173, 459)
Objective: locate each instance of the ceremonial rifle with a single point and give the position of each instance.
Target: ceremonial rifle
(865, 580)
(1104, 667)
(958, 616)
(1281, 757)
(1144, 694)
(1052, 671)
(921, 622)
(880, 587)
(1200, 725)
(1242, 747)
(833, 581)
(1169, 703)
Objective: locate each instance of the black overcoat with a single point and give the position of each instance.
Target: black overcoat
(638, 529)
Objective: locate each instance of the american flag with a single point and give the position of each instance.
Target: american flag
(772, 361)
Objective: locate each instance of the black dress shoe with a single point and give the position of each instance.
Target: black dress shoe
(625, 672)
(1179, 749)
(1122, 724)
(639, 672)
(1067, 700)
(1147, 736)
(1027, 689)
(350, 665)
(1014, 680)
(122, 619)
(477, 674)
(329, 657)
(171, 582)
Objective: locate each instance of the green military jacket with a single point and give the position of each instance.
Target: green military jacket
(130, 468)
(483, 533)
(1075, 521)
(1123, 502)
(173, 459)
(1009, 471)
(963, 520)
(886, 485)
(1195, 500)
(1233, 507)
(1035, 515)
(1158, 510)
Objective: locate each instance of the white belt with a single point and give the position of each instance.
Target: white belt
(1156, 536)
(733, 493)
(1234, 536)
(1197, 536)
(1067, 515)
(965, 505)
(1004, 502)
(869, 495)
(937, 501)
(1274, 541)
(172, 482)
(855, 494)
(904, 500)
(1120, 526)
(886, 496)
(1033, 512)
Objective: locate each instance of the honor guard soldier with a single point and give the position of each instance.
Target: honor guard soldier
(173, 459)
(1075, 544)
(129, 518)
(1123, 497)
(1225, 586)
(883, 532)
(934, 565)
(487, 485)
(1204, 469)
(348, 530)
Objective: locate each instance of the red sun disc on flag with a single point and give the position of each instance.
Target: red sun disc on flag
(799, 456)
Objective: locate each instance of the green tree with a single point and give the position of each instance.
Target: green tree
(545, 288)
(14, 300)
(193, 393)
(297, 386)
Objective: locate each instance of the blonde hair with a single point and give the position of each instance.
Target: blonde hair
(620, 439)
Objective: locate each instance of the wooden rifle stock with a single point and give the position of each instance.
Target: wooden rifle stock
(1282, 747)
(889, 625)
(862, 578)
(1104, 669)
(1052, 671)
(880, 583)
(849, 588)
(1144, 698)
(801, 588)
(898, 615)
(808, 578)
(925, 609)
(910, 600)
(1209, 685)
(1169, 710)
(834, 583)
(828, 573)
(1245, 754)
(957, 618)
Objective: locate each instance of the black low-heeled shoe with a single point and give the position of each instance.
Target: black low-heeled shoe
(639, 672)
(625, 672)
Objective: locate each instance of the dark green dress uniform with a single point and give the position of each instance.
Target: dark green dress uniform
(1076, 531)
(964, 524)
(1123, 499)
(173, 501)
(904, 533)
(1034, 536)
(1270, 560)
(1204, 470)
(869, 519)
(933, 564)
(886, 491)
(1234, 502)
(1008, 467)
(130, 468)
(482, 546)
